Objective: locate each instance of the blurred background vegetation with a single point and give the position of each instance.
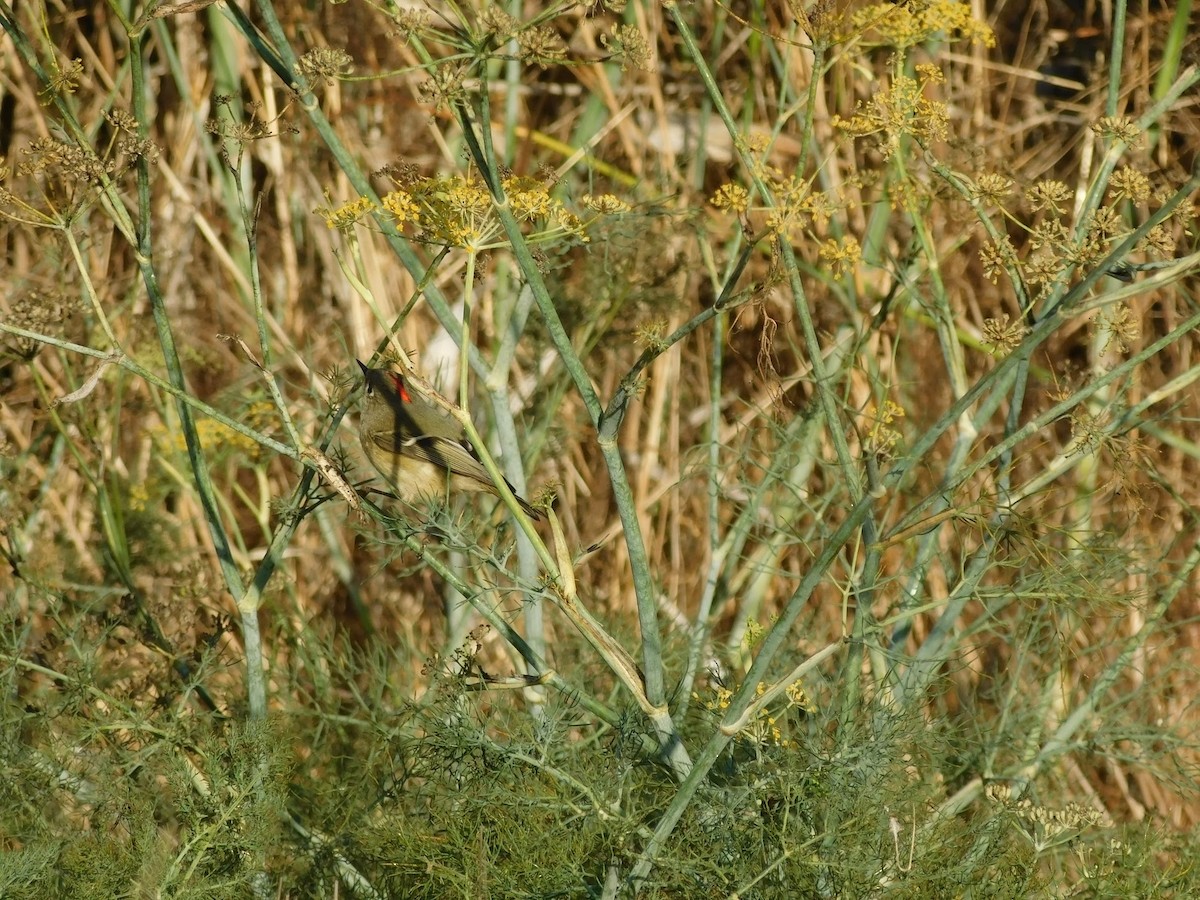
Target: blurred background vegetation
(852, 344)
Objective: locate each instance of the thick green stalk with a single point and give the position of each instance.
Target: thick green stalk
(652, 665)
(255, 679)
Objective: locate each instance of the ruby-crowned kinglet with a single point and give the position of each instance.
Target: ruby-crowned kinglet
(416, 447)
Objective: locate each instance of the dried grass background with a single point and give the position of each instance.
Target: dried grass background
(1098, 545)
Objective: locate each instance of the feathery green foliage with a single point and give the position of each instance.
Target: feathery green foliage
(854, 370)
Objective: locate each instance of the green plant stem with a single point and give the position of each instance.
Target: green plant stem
(744, 697)
(89, 288)
(623, 495)
(118, 358)
(716, 558)
(266, 366)
(533, 659)
(1045, 326)
(1063, 739)
(255, 680)
(1172, 51)
(282, 58)
(822, 379)
(110, 197)
(928, 659)
(1116, 56)
(140, 238)
(1061, 294)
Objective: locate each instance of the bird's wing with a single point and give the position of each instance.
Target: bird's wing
(456, 456)
(450, 454)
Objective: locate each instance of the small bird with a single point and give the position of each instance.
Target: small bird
(417, 448)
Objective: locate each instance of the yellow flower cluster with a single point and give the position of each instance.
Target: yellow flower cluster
(903, 25)
(840, 255)
(459, 211)
(214, 436)
(347, 214)
(882, 437)
(899, 110)
(764, 729)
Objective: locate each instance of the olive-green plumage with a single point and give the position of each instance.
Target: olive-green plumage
(420, 450)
